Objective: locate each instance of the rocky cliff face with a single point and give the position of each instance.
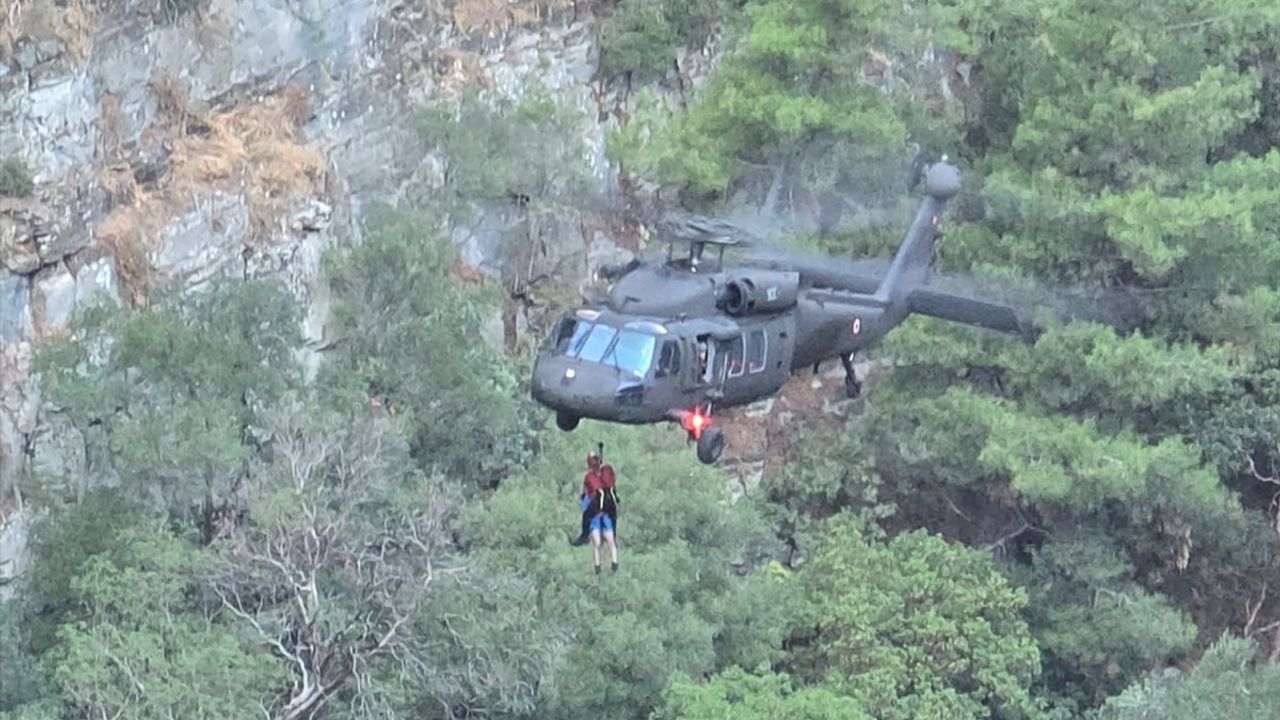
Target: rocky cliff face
(187, 139)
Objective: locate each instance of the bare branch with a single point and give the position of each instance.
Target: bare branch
(951, 504)
(1253, 611)
(1253, 468)
(1000, 541)
(328, 584)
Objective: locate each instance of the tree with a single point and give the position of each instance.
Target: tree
(141, 646)
(1223, 684)
(344, 543)
(173, 389)
(1097, 628)
(62, 542)
(790, 112)
(1110, 144)
(824, 471)
(915, 627)
(409, 336)
(519, 163)
(640, 38)
(21, 683)
(737, 695)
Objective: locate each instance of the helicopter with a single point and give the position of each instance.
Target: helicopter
(680, 340)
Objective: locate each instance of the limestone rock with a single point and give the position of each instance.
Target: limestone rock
(205, 242)
(312, 218)
(15, 554)
(19, 405)
(51, 124)
(17, 249)
(604, 251)
(54, 299)
(15, 315)
(58, 453)
(26, 229)
(97, 279)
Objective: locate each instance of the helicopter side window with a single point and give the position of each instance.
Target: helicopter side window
(569, 334)
(706, 359)
(668, 359)
(756, 346)
(735, 357)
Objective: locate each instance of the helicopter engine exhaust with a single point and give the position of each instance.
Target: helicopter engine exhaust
(760, 293)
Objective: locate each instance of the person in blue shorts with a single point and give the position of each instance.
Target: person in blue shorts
(598, 496)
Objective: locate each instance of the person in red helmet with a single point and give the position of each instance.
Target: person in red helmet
(599, 501)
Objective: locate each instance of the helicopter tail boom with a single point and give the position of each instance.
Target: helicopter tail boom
(992, 315)
(911, 264)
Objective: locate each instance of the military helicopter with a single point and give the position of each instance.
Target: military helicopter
(679, 340)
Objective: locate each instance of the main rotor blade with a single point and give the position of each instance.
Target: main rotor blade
(857, 276)
(1012, 304)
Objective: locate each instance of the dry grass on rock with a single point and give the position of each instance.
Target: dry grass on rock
(254, 149)
(70, 23)
(492, 18)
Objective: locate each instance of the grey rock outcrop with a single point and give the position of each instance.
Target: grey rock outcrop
(54, 298)
(15, 313)
(15, 553)
(204, 242)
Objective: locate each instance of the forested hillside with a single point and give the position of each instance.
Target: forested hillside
(373, 522)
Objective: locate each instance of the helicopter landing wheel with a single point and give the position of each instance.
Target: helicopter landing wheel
(710, 445)
(566, 421)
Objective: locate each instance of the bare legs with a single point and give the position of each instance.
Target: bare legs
(595, 548)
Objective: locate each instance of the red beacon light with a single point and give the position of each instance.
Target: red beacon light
(695, 422)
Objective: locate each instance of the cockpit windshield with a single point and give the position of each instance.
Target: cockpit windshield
(633, 351)
(627, 349)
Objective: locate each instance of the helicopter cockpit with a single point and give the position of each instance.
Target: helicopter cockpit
(629, 347)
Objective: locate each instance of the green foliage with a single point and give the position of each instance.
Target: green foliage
(1108, 140)
(491, 649)
(826, 472)
(674, 606)
(1222, 685)
(640, 37)
(392, 541)
(1098, 628)
(21, 683)
(515, 173)
(916, 627)
(173, 389)
(1134, 376)
(410, 337)
(15, 179)
(737, 695)
(637, 40)
(342, 557)
(47, 709)
(140, 647)
(788, 96)
(62, 542)
(496, 149)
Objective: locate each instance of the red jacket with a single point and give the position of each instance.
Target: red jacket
(596, 480)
